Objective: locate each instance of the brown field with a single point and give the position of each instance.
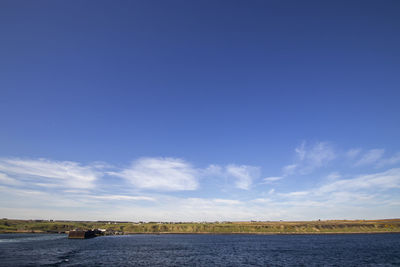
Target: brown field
(265, 227)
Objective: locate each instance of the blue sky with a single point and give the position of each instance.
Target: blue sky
(199, 110)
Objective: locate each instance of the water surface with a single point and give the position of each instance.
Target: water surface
(201, 250)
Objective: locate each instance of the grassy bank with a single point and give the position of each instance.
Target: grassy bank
(344, 226)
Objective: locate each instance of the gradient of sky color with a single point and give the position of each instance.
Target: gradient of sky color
(200, 110)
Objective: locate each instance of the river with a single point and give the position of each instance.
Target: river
(201, 250)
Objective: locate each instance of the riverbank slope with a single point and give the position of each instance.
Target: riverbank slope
(269, 227)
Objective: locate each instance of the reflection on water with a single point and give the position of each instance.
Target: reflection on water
(201, 250)
(16, 238)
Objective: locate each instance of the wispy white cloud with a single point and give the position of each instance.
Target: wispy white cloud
(295, 194)
(378, 181)
(214, 170)
(162, 174)
(146, 190)
(122, 197)
(5, 179)
(309, 158)
(301, 151)
(50, 173)
(352, 153)
(289, 169)
(208, 202)
(333, 176)
(389, 161)
(261, 200)
(372, 156)
(204, 209)
(271, 191)
(159, 174)
(362, 187)
(272, 179)
(227, 201)
(315, 156)
(362, 196)
(21, 192)
(243, 174)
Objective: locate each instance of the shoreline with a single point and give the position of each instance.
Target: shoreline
(270, 233)
(212, 233)
(211, 228)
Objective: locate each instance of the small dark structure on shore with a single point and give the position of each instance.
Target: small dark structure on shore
(82, 234)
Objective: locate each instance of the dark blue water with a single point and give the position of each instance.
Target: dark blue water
(201, 250)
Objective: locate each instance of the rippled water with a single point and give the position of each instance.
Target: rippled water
(201, 250)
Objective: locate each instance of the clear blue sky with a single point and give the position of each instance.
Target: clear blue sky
(200, 110)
